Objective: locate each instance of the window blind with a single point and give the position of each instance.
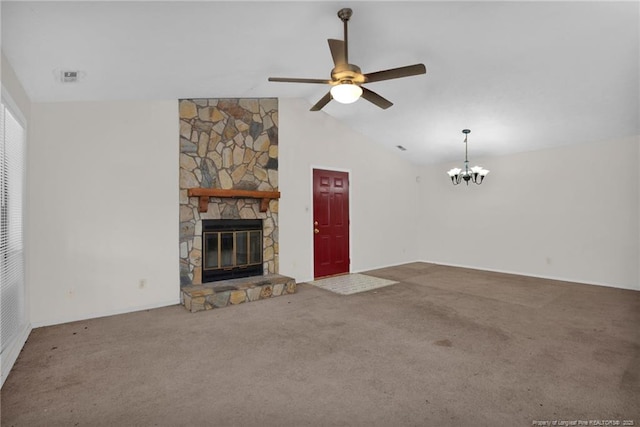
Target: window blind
(12, 292)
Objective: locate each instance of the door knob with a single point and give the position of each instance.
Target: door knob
(316, 231)
(315, 223)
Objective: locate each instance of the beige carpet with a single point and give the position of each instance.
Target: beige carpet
(442, 347)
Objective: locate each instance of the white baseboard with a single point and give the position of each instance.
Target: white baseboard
(538, 276)
(10, 355)
(385, 266)
(67, 319)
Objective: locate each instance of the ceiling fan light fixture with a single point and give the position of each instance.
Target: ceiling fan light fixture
(346, 93)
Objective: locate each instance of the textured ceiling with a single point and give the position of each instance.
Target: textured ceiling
(521, 75)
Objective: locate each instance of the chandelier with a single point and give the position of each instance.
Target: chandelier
(475, 174)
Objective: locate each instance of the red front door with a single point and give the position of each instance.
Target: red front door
(330, 222)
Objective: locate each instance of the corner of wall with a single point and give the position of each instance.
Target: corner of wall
(11, 83)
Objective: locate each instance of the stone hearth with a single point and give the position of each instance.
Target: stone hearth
(235, 291)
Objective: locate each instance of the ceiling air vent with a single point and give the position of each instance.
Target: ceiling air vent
(69, 76)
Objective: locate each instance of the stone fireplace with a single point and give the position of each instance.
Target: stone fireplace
(227, 144)
(229, 202)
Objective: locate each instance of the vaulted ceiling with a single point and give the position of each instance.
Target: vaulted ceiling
(521, 75)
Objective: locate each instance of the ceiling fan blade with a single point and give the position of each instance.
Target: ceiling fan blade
(373, 97)
(338, 51)
(294, 80)
(395, 73)
(324, 101)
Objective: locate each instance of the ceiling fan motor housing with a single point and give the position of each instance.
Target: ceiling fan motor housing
(344, 73)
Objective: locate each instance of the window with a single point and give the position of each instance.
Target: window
(12, 286)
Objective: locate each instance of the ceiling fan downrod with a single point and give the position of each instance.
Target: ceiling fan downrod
(345, 15)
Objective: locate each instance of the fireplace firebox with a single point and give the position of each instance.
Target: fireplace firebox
(232, 248)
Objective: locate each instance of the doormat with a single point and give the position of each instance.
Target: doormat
(351, 283)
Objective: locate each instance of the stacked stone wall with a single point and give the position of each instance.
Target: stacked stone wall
(228, 144)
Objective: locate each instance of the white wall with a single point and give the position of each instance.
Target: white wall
(103, 208)
(383, 192)
(569, 213)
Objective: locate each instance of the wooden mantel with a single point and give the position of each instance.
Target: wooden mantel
(205, 193)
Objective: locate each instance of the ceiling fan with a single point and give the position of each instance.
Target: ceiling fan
(347, 79)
